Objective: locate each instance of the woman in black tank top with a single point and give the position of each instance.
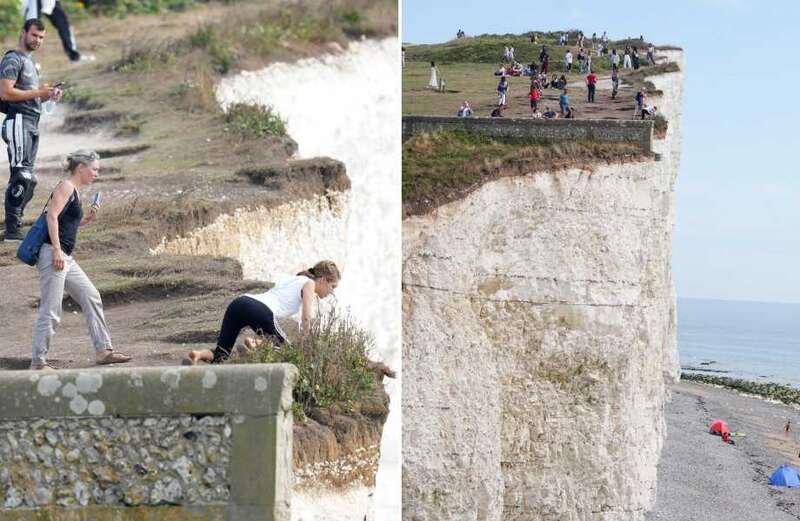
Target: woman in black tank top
(58, 271)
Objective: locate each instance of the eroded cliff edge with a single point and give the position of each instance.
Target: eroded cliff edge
(539, 334)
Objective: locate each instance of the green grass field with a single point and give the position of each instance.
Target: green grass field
(467, 66)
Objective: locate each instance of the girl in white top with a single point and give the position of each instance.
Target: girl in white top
(261, 312)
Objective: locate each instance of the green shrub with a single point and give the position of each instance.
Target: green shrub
(332, 360)
(352, 21)
(10, 18)
(145, 55)
(254, 120)
(660, 124)
(81, 98)
(220, 51)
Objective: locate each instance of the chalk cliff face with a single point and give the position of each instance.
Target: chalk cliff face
(539, 334)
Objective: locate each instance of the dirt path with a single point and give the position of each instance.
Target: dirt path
(603, 107)
(699, 477)
(20, 293)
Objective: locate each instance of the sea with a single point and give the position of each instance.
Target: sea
(758, 341)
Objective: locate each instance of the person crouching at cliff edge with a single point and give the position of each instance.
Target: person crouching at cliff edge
(58, 271)
(261, 312)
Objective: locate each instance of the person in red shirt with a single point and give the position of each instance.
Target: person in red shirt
(591, 83)
(535, 96)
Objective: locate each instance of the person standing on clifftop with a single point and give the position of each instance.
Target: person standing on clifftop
(544, 59)
(614, 83)
(502, 90)
(433, 82)
(59, 272)
(591, 83)
(22, 95)
(261, 312)
(639, 103)
(52, 9)
(651, 54)
(626, 62)
(563, 102)
(568, 61)
(535, 95)
(614, 60)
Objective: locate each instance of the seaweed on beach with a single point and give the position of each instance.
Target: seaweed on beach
(781, 393)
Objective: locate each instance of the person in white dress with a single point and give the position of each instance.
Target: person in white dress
(433, 82)
(261, 312)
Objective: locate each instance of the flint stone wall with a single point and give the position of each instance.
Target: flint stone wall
(147, 443)
(511, 129)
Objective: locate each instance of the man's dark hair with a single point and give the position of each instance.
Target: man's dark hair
(33, 22)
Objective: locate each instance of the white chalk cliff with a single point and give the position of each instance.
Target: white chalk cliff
(539, 336)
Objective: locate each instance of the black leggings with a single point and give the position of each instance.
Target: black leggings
(241, 313)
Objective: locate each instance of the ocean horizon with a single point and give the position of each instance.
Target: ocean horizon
(758, 341)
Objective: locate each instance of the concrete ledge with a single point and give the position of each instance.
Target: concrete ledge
(128, 443)
(511, 129)
(252, 389)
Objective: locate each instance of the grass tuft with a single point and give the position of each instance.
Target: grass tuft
(143, 56)
(254, 120)
(220, 51)
(332, 360)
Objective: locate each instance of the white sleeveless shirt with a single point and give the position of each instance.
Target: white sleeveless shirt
(285, 298)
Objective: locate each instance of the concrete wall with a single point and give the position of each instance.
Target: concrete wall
(549, 130)
(147, 443)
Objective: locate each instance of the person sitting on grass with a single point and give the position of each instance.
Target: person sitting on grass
(550, 113)
(465, 111)
(261, 312)
(543, 81)
(559, 83)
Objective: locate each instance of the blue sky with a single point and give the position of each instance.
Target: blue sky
(737, 233)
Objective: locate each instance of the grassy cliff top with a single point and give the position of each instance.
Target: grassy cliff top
(446, 166)
(183, 162)
(488, 48)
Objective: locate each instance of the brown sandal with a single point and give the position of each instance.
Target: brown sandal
(113, 357)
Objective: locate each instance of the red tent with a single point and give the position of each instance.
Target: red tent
(718, 427)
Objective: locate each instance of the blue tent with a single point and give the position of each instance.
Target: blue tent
(785, 476)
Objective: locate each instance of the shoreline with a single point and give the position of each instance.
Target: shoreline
(782, 393)
(699, 477)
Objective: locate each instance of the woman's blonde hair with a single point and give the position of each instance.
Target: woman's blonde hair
(323, 269)
(80, 157)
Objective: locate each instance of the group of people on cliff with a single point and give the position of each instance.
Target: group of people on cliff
(49, 244)
(541, 76)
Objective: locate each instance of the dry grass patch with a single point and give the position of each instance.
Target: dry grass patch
(445, 166)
